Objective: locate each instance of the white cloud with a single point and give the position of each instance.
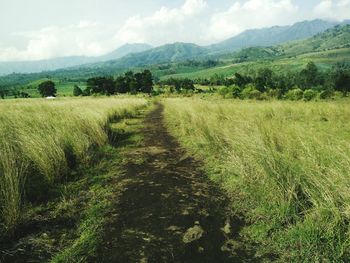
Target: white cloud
(84, 38)
(193, 6)
(182, 24)
(333, 9)
(194, 21)
(251, 14)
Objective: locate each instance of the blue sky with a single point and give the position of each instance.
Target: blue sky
(40, 29)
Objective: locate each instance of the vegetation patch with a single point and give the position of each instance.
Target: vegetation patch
(55, 172)
(285, 166)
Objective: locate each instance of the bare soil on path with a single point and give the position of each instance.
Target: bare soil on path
(168, 210)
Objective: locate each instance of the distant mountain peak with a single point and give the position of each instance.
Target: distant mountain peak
(126, 49)
(274, 35)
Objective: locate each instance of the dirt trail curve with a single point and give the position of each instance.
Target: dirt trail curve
(169, 211)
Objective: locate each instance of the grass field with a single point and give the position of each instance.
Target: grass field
(284, 165)
(324, 60)
(41, 140)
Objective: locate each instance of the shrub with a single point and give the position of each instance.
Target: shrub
(309, 94)
(250, 92)
(77, 91)
(337, 95)
(274, 93)
(295, 94)
(326, 94)
(236, 91)
(230, 92)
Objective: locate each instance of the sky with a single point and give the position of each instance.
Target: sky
(43, 29)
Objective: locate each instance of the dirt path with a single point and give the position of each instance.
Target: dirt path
(169, 211)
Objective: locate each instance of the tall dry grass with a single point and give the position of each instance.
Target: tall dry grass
(41, 140)
(285, 166)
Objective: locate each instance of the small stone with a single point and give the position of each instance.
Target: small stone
(173, 228)
(193, 233)
(231, 246)
(200, 249)
(227, 228)
(185, 212)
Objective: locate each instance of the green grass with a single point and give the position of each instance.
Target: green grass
(284, 165)
(40, 141)
(325, 60)
(64, 88)
(106, 185)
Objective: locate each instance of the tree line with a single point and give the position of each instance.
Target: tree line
(307, 83)
(130, 82)
(264, 82)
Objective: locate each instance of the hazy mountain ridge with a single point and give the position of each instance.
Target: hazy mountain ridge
(66, 62)
(326, 39)
(177, 51)
(273, 35)
(163, 54)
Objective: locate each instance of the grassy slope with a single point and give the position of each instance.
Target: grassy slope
(37, 147)
(285, 166)
(105, 182)
(325, 60)
(69, 188)
(325, 49)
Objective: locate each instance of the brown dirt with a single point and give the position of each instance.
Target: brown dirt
(169, 211)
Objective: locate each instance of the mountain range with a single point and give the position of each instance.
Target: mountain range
(65, 62)
(138, 55)
(274, 35)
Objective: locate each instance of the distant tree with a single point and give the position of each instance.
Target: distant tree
(2, 94)
(342, 82)
(121, 85)
(138, 79)
(47, 89)
(309, 76)
(108, 86)
(217, 80)
(134, 87)
(264, 80)
(86, 91)
(128, 77)
(77, 91)
(147, 82)
(102, 85)
(23, 94)
(241, 80)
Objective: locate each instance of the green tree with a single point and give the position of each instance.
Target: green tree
(121, 85)
(77, 91)
(309, 77)
(102, 85)
(47, 89)
(342, 82)
(134, 87)
(264, 80)
(147, 82)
